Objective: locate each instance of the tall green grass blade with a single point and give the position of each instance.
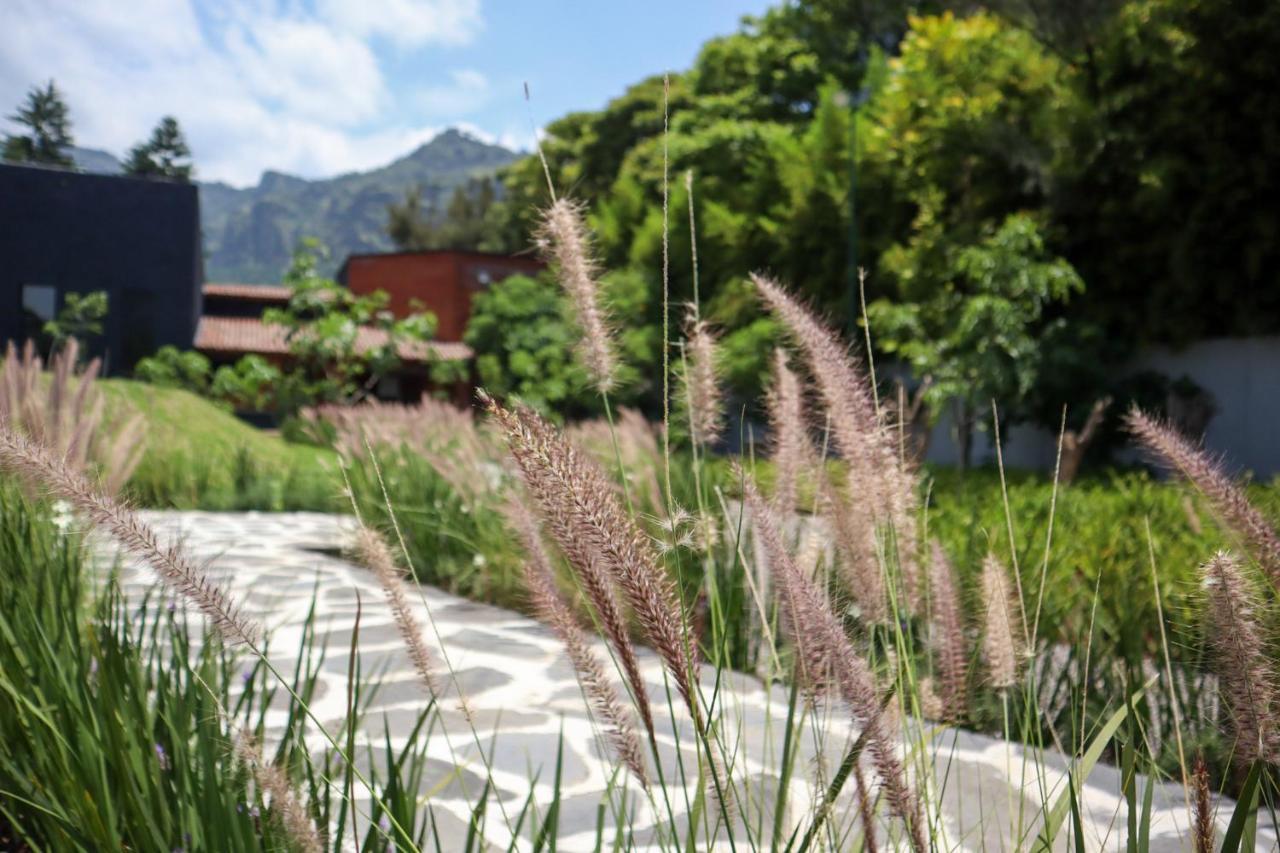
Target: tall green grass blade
(1244, 818)
(1058, 812)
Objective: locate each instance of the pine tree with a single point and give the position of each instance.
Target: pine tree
(45, 113)
(162, 155)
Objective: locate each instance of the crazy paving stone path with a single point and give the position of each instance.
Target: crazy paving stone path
(523, 695)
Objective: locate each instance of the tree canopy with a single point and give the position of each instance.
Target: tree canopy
(164, 155)
(1120, 151)
(47, 119)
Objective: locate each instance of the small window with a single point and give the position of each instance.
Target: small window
(39, 305)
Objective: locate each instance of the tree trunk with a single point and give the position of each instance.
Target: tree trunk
(1074, 444)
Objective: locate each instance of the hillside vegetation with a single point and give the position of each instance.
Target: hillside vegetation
(200, 456)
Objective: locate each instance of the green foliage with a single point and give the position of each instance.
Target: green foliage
(972, 318)
(252, 384)
(80, 317)
(454, 541)
(164, 155)
(105, 746)
(331, 358)
(117, 722)
(199, 456)
(521, 332)
(171, 367)
(47, 118)
(1181, 172)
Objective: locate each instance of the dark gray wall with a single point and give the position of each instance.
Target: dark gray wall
(139, 240)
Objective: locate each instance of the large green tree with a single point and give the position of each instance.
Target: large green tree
(48, 122)
(1172, 214)
(164, 155)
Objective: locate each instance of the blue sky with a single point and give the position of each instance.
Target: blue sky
(319, 87)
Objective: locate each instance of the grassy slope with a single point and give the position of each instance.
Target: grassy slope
(201, 456)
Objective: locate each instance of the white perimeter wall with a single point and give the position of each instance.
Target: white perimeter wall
(1242, 375)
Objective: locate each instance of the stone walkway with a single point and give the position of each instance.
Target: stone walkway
(523, 695)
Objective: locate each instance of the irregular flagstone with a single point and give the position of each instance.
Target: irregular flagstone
(522, 696)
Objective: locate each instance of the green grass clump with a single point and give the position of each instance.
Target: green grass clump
(200, 456)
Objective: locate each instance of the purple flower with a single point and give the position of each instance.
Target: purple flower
(163, 757)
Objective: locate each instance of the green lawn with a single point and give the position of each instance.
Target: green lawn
(200, 456)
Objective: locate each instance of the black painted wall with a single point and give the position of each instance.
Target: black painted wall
(139, 240)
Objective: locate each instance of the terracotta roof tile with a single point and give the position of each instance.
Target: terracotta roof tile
(256, 292)
(251, 335)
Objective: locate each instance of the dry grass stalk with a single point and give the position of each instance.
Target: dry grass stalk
(374, 553)
(1226, 498)
(859, 564)
(441, 433)
(1002, 625)
(564, 233)
(561, 479)
(828, 662)
(1202, 836)
(634, 440)
(1247, 676)
(42, 470)
(880, 489)
(702, 387)
(792, 452)
(551, 608)
(947, 629)
(584, 512)
(272, 781)
(68, 417)
(866, 810)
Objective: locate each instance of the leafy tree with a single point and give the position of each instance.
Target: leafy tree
(524, 345)
(164, 155)
(46, 116)
(171, 367)
(978, 335)
(1171, 213)
(524, 340)
(329, 358)
(81, 318)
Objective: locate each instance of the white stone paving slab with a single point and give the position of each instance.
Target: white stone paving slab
(522, 694)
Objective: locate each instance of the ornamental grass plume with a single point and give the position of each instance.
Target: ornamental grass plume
(373, 552)
(551, 608)
(829, 663)
(1202, 808)
(272, 781)
(1227, 499)
(859, 565)
(567, 242)
(531, 448)
(701, 385)
(792, 453)
(1002, 637)
(43, 471)
(1247, 677)
(69, 416)
(584, 515)
(880, 490)
(947, 631)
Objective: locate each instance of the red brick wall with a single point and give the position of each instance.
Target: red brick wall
(442, 281)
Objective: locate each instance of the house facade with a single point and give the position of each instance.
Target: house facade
(68, 232)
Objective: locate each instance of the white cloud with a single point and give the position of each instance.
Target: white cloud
(407, 23)
(256, 84)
